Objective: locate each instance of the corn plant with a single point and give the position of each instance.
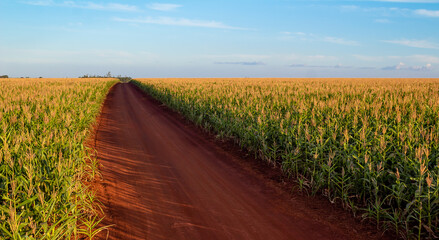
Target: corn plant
(44, 124)
(370, 144)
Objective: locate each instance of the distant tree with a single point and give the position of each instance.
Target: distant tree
(124, 79)
(108, 75)
(4, 76)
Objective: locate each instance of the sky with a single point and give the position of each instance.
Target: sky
(228, 38)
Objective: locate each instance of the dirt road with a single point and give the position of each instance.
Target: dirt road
(164, 180)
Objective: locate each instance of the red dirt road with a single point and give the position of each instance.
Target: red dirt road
(164, 180)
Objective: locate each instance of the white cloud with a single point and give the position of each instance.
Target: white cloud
(241, 63)
(311, 59)
(87, 5)
(409, 1)
(286, 33)
(417, 59)
(297, 34)
(237, 57)
(385, 14)
(422, 68)
(179, 22)
(320, 57)
(414, 43)
(40, 3)
(392, 11)
(340, 41)
(349, 7)
(427, 13)
(163, 6)
(98, 56)
(414, 59)
(337, 66)
(402, 66)
(369, 58)
(424, 58)
(382, 11)
(313, 37)
(396, 67)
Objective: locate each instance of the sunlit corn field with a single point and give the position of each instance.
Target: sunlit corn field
(44, 163)
(369, 144)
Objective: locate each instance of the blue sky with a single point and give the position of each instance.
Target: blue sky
(240, 38)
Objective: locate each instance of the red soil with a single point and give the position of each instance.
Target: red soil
(164, 179)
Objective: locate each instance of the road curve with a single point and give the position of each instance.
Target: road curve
(163, 180)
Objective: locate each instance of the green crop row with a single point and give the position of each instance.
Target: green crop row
(370, 144)
(44, 162)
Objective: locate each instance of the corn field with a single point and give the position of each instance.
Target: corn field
(44, 163)
(369, 144)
